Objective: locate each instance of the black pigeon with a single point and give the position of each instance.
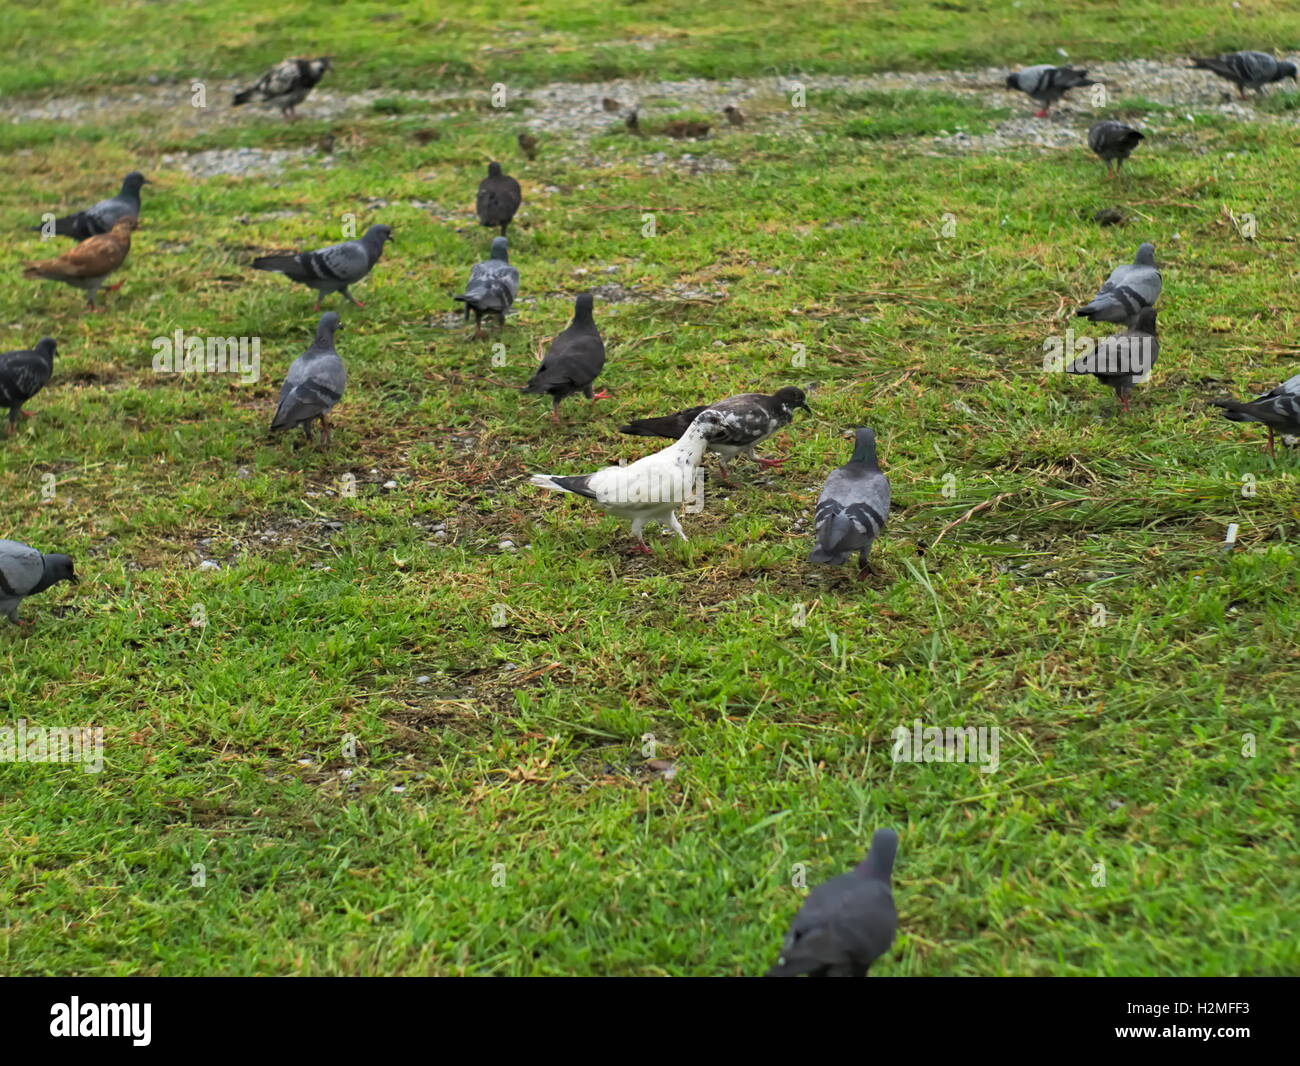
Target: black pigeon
(100, 218)
(286, 84)
(1278, 409)
(493, 285)
(24, 572)
(1130, 287)
(1114, 142)
(746, 422)
(846, 923)
(1123, 359)
(22, 375)
(1047, 84)
(574, 360)
(853, 507)
(314, 384)
(499, 197)
(334, 268)
(1247, 70)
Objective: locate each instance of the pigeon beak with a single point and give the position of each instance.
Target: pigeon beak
(145, 181)
(806, 408)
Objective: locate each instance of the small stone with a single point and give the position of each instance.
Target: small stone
(390, 485)
(506, 545)
(209, 564)
(423, 679)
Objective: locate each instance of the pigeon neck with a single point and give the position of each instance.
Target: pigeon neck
(864, 452)
(879, 863)
(48, 577)
(324, 341)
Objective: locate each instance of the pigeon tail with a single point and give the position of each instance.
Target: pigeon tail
(1236, 410)
(670, 426)
(575, 485)
(282, 264)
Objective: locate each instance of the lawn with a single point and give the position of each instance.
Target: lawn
(374, 738)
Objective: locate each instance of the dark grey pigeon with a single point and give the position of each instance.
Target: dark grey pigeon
(746, 422)
(574, 360)
(853, 507)
(1278, 409)
(846, 923)
(22, 375)
(1247, 70)
(1113, 141)
(499, 197)
(286, 84)
(24, 572)
(1047, 84)
(493, 286)
(1124, 359)
(1129, 288)
(100, 218)
(334, 268)
(314, 384)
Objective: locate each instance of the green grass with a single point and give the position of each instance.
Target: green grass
(520, 758)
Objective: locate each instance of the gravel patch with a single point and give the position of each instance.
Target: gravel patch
(240, 162)
(572, 110)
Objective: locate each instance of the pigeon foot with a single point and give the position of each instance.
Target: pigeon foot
(768, 462)
(602, 395)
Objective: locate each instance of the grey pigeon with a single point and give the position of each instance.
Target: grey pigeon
(747, 421)
(650, 489)
(314, 384)
(1113, 141)
(493, 286)
(1123, 359)
(1129, 288)
(499, 197)
(853, 507)
(573, 361)
(331, 269)
(1278, 409)
(286, 84)
(846, 923)
(1247, 70)
(24, 572)
(100, 218)
(1047, 84)
(22, 375)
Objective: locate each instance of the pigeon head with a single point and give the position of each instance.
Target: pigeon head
(494, 170)
(501, 249)
(46, 348)
(123, 226)
(1013, 81)
(57, 568)
(709, 423)
(329, 324)
(378, 234)
(1146, 254)
(582, 307)
(321, 65)
(132, 182)
(789, 398)
(1286, 70)
(864, 445)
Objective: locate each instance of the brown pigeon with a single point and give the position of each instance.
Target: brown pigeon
(90, 262)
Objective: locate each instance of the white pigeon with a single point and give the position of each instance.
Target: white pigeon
(650, 489)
